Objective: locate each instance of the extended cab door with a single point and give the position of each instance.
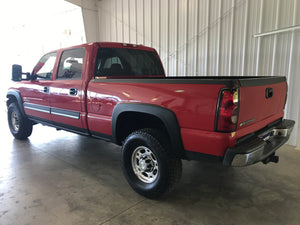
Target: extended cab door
(66, 91)
(36, 93)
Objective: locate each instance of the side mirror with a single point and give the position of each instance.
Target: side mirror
(16, 73)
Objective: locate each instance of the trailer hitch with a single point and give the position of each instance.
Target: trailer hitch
(271, 158)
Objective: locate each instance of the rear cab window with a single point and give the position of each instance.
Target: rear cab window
(124, 62)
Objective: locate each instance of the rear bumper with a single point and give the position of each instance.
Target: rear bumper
(259, 146)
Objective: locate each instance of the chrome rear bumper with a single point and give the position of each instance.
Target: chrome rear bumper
(259, 147)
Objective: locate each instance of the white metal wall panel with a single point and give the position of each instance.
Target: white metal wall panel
(238, 48)
(214, 38)
(202, 37)
(132, 21)
(211, 37)
(226, 33)
(147, 22)
(192, 31)
(155, 38)
(282, 46)
(140, 18)
(119, 21)
(182, 36)
(253, 44)
(113, 20)
(164, 34)
(126, 21)
(172, 43)
(266, 51)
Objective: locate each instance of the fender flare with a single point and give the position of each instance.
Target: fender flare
(167, 117)
(18, 97)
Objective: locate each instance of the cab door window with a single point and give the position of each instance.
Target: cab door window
(44, 69)
(70, 65)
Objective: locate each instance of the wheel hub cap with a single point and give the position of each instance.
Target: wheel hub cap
(15, 121)
(144, 164)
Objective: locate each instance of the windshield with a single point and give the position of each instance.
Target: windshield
(127, 62)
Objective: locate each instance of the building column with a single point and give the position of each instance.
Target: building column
(90, 18)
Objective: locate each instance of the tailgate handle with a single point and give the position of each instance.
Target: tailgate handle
(269, 92)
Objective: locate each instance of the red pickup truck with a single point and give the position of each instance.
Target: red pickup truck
(119, 93)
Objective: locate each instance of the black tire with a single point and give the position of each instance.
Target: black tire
(19, 125)
(157, 170)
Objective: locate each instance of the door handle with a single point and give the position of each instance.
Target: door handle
(46, 90)
(73, 91)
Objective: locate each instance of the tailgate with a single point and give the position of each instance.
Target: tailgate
(262, 101)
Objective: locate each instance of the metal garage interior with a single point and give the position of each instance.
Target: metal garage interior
(62, 178)
(209, 37)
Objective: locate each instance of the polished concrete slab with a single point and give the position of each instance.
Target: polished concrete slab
(56, 177)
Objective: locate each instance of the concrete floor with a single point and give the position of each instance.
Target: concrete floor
(56, 177)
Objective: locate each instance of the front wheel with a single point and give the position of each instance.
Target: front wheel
(19, 125)
(148, 164)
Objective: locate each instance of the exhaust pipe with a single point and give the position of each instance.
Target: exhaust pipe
(272, 158)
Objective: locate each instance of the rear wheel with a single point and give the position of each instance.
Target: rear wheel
(19, 125)
(148, 165)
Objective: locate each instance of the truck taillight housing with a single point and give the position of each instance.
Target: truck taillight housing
(227, 110)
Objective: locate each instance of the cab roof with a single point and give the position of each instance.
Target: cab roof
(111, 45)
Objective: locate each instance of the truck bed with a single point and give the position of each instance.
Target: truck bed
(194, 100)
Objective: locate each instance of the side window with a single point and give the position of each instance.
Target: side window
(44, 68)
(70, 64)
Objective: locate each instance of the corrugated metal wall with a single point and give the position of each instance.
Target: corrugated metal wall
(212, 37)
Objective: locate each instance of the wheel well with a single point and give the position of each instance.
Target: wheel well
(129, 122)
(15, 97)
(11, 99)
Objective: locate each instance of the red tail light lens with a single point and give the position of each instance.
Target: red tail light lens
(227, 111)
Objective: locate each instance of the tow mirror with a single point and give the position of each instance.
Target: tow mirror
(17, 73)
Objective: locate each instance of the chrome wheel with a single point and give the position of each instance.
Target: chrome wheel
(144, 164)
(19, 125)
(15, 121)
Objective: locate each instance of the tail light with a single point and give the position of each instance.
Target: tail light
(227, 110)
